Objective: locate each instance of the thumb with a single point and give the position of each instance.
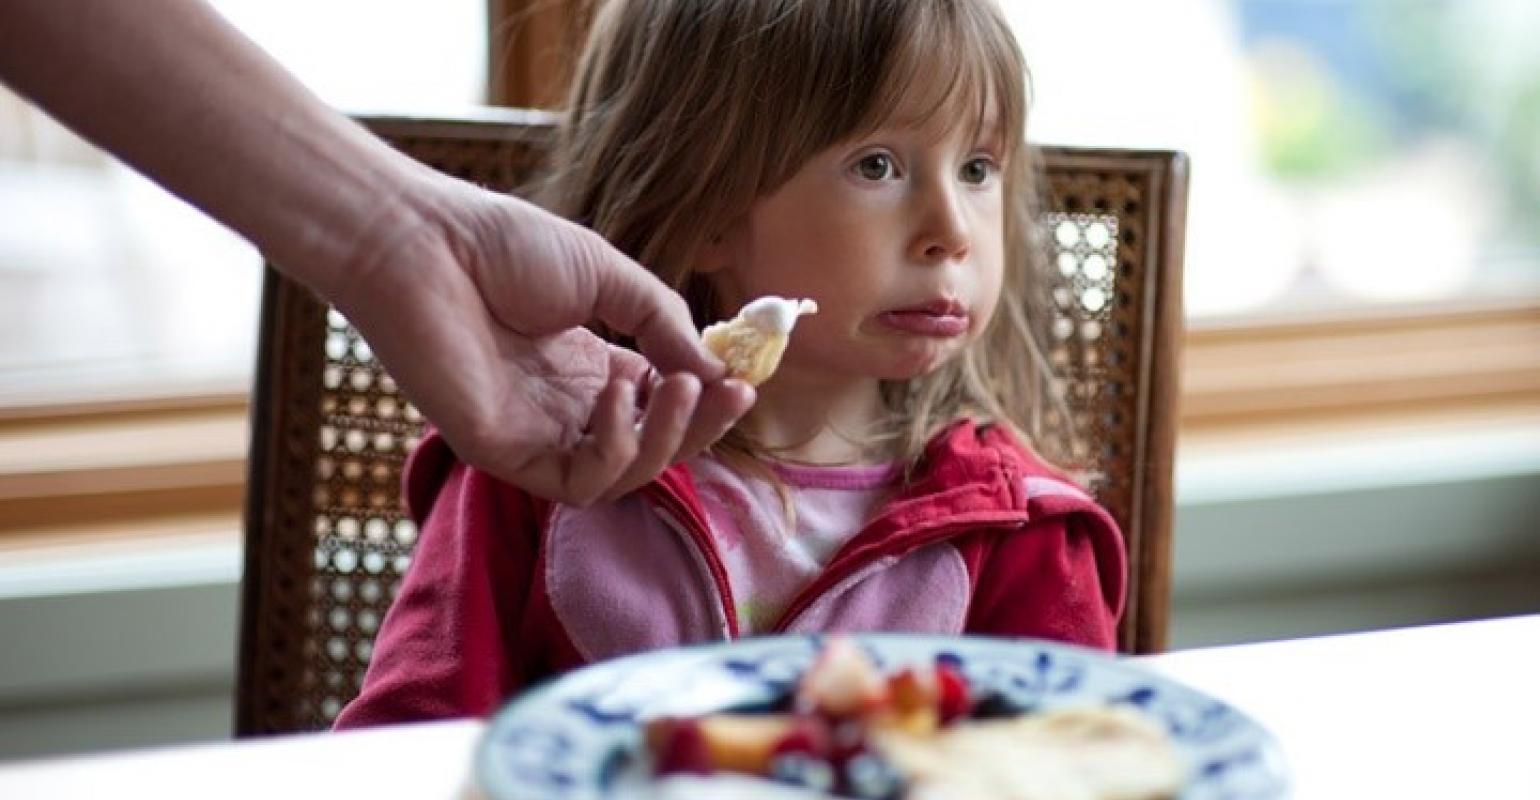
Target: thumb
(633, 301)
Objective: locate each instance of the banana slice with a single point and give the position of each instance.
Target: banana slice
(751, 343)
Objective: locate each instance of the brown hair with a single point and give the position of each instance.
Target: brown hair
(684, 112)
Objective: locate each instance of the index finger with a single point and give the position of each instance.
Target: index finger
(631, 300)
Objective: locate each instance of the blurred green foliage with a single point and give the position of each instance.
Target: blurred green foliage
(1462, 69)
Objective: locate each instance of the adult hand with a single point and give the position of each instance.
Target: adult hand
(476, 313)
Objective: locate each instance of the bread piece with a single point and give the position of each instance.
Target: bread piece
(1095, 753)
(751, 343)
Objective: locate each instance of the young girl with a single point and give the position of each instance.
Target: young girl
(865, 154)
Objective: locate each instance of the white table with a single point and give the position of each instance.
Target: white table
(1446, 711)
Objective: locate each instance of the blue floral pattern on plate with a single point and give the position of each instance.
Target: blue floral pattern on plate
(578, 737)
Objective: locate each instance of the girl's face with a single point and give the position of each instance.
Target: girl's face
(899, 237)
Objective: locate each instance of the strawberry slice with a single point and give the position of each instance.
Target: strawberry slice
(953, 689)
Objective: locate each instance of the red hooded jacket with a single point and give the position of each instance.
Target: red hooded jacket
(505, 589)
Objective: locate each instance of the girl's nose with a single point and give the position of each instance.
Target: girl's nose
(943, 233)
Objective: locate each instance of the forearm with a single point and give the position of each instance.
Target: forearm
(173, 90)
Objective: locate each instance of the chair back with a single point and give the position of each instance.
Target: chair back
(327, 538)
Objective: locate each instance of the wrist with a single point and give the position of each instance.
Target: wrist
(361, 210)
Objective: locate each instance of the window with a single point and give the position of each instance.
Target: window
(1346, 153)
(111, 288)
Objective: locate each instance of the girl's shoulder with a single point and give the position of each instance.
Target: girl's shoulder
(434, 472)
(969, 440)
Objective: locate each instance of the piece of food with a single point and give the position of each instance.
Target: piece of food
(953, 689)
(842, 682)
(751, 343)
(918, 732)
(803, 770)
(679, 746)
(725, 742)
(1098, 753)
(912, 703)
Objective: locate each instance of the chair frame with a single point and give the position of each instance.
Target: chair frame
(1160, 177)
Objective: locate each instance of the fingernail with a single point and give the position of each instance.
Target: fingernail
(740, 386)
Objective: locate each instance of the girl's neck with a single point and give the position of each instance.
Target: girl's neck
(818, 421)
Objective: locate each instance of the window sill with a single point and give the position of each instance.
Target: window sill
(68, 471)
(1239, 378)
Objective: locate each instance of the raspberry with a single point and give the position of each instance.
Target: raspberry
(680, 747)
(808, 736)
(954, 700)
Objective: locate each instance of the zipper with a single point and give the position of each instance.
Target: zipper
(697, 537)
(842, 568)
(847, 561)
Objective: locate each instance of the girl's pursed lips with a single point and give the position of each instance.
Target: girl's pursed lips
(936, 306)
(941, 317)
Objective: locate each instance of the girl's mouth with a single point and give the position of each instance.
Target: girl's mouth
(941, 319)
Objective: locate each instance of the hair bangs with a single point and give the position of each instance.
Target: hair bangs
(950, 64)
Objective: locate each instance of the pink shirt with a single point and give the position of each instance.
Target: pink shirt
(768, 560)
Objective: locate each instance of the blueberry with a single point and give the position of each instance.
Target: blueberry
(993, 705)
(800, 769)
(869, 777)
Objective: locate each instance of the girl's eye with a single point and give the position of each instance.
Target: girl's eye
(875, 167)
(977, 171)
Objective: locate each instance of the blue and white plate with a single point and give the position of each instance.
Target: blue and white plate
(579, 737)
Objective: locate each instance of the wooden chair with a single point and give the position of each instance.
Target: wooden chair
(327, 540)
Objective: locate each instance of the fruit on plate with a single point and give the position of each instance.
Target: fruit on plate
(919, 733)
(731, 742)
(842, 682)
(824, 743)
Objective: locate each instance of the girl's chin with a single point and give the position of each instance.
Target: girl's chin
(885, 364)
(917, 366)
